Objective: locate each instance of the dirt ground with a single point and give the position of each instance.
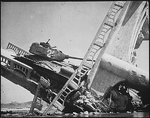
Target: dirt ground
(24, 113)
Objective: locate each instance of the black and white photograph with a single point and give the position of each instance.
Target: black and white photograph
(75, 59)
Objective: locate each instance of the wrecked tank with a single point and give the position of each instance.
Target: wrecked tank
(47, 52)
(49, 63)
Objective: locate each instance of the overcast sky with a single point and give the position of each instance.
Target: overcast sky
(71, 26)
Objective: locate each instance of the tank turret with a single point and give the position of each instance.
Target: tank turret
(46, 50)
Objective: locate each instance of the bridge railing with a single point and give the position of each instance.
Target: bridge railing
(17, 49)
(15, 65)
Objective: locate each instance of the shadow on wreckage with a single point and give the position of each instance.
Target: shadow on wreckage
(117, 98)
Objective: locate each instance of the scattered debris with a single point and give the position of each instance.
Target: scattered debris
(117, 98)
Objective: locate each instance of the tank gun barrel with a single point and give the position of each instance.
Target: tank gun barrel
(71, 57)
(74, 57)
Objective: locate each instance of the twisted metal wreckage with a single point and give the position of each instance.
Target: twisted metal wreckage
(107, 80)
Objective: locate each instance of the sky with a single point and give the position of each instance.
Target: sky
(71, 26)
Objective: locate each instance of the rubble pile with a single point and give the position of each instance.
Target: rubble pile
(117, 98)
